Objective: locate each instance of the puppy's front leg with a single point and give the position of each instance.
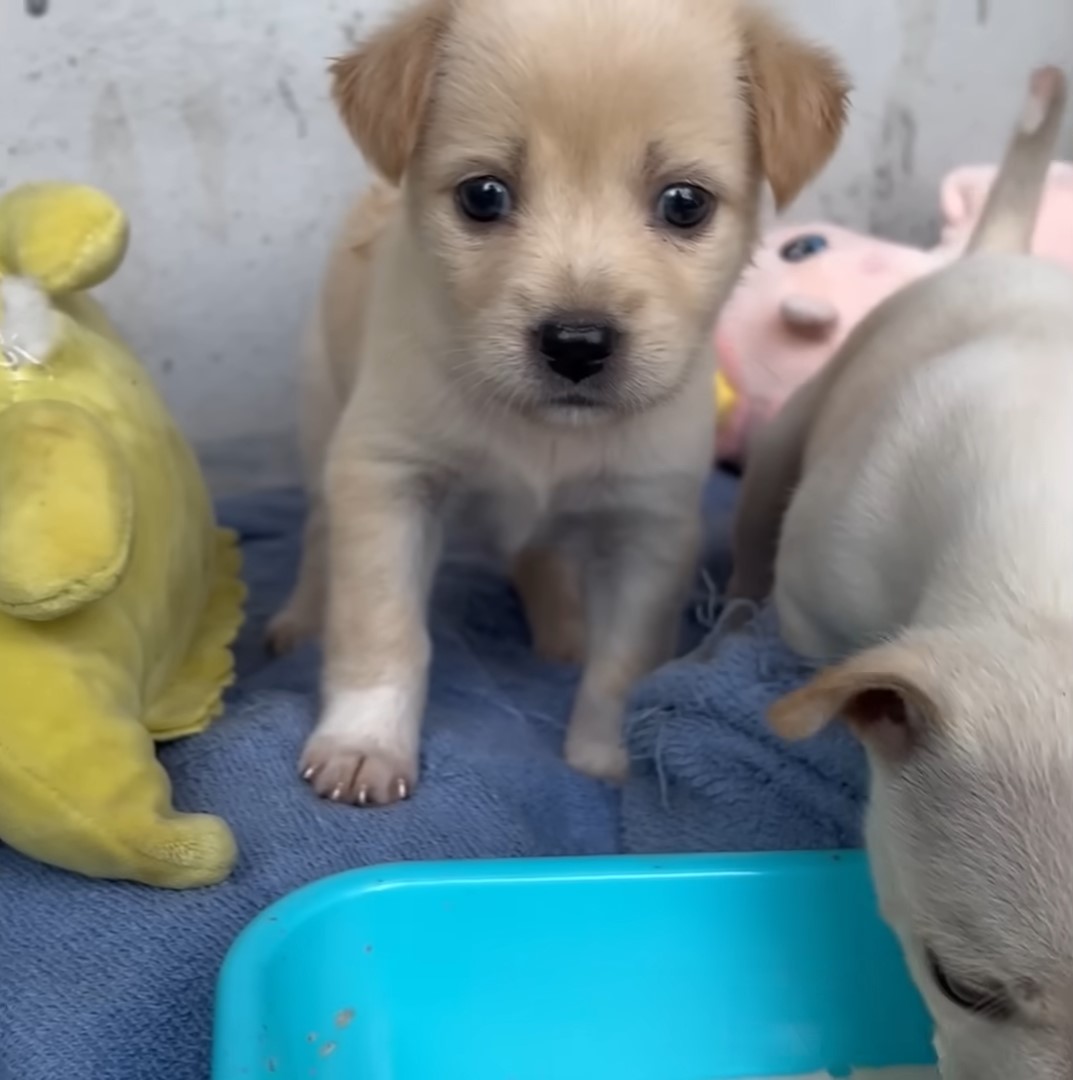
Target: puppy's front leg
(636, 581)
(383, 543)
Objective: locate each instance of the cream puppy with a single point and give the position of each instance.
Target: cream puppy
(913, 509)
(515, 332)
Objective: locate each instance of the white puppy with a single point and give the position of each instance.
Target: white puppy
(913, 508)
(519, 335)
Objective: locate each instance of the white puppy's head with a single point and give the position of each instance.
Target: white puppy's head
(582, 179)
(970, 831)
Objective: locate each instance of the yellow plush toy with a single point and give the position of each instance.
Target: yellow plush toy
(119, 598)
(726, 398)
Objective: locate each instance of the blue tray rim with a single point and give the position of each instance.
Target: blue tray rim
(305, 902)
(246, 959)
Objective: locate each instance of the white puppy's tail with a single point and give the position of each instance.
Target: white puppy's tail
(1009, 218)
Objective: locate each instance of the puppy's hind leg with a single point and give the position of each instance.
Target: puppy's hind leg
(302, 616)
(548, 584)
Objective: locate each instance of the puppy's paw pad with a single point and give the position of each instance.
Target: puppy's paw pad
(356, 775)
(603, 761)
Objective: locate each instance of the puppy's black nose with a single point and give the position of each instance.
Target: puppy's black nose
(577, 349)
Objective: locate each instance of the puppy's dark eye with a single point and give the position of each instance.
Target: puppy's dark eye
(485, 199)
(990, 1002)
(685, 206)
(803, 247)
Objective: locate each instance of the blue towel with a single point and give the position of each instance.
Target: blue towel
(115, 981)
(710, 776)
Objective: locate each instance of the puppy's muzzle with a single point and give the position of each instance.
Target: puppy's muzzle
(577, 348)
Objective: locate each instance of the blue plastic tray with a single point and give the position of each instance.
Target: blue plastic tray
(683, 968)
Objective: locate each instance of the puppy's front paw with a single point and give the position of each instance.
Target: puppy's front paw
(364, 750)
(355, 774)
(598, 758)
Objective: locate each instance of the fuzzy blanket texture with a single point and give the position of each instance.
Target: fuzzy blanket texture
(116, 981)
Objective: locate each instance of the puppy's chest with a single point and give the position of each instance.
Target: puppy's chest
(512, 486)
(503, 510)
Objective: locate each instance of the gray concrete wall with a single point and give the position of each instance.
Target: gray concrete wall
(208, 120)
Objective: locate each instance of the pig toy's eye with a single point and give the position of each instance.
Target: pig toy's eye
(803, 247)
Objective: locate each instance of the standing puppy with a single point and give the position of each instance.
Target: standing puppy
(923, 489)
(518, 334)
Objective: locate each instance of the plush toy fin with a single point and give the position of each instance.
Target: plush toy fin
(80, 785)
(65, 510)
(63, 236)
(195, 696)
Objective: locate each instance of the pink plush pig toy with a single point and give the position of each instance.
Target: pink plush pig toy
(808, 287)
(811, 284)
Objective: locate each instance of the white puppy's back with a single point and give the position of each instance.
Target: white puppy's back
(935, 448)
(964, 384)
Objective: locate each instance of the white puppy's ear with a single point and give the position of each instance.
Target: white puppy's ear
(877, 693)
(798, 94)
(383, 87)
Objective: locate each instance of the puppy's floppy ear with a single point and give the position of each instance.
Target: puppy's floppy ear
(383, 87)
(879, 694)
(798, 95)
